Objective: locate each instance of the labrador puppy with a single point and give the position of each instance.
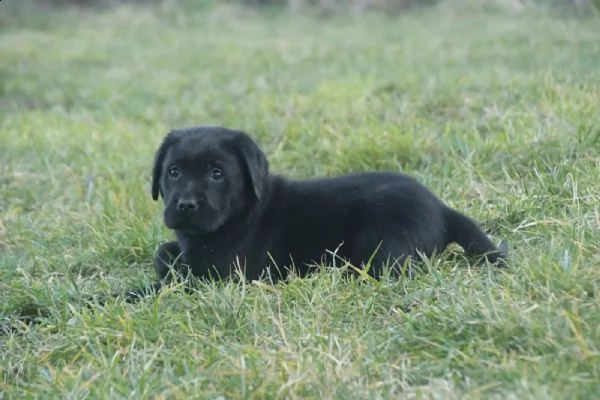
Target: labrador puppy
(228, 212)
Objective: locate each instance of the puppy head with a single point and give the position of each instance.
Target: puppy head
(207, 176)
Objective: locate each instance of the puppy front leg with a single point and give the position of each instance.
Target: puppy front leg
(167, 258)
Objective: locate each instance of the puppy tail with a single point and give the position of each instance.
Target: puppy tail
(469, 235)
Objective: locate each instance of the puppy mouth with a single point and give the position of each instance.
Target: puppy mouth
(193, 224)
(189, 227)
(192, 231)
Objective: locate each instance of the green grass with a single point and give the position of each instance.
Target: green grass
(496, 111)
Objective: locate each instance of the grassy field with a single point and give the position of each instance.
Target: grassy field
(496, 111)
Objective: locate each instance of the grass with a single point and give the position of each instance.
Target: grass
(495, 110)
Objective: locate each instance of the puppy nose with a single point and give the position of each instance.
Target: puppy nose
(187, 205)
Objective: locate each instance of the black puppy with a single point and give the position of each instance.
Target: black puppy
(228, 212)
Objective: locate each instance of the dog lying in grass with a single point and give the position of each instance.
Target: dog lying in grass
(228, 212)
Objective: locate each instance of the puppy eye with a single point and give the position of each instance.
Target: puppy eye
(217, 174)
(173, 172)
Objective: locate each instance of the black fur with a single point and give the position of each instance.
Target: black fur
(228, 211)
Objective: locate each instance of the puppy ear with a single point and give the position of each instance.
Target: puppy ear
(159, 157)
(255, 163)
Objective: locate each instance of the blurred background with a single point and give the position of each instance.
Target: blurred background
(321, 7)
